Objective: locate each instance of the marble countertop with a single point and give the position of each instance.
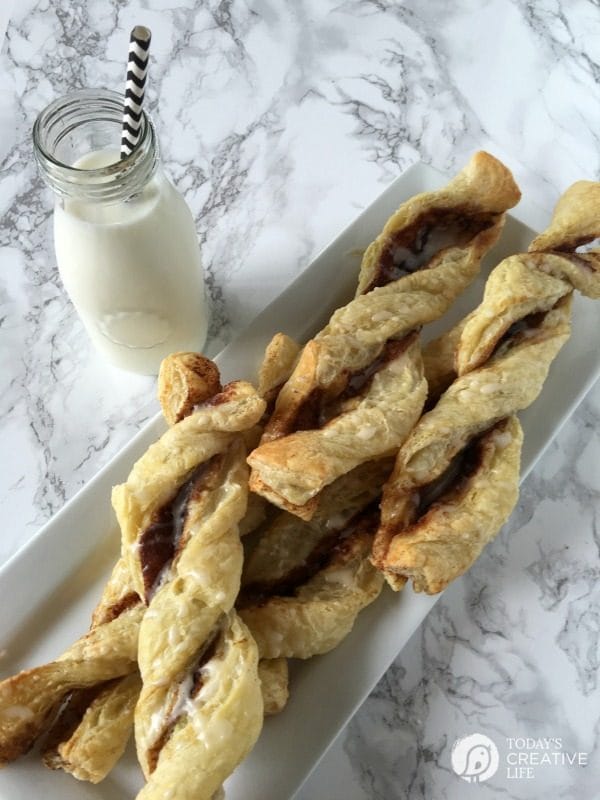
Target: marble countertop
(279, 122)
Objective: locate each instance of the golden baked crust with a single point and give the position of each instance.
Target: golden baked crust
(484, 186)
(503, 355)
(29, 699)
(315, 616)
(293, 470)
(278, 363)
(508, 382)
(285, 546)
(273, 674)
(102, 726)
(185, 380)
(428, 252)
(217, 727)
(169, 463)
(202, 581)
(179, 512)
(574, 224)
(286, 542)
(445, 541)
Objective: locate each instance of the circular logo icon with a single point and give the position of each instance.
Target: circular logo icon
(475, 758)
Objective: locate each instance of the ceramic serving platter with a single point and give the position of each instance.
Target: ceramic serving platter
(49, 588)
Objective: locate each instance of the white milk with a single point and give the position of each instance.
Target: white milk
(133, 271)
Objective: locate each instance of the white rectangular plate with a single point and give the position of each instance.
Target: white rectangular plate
(49, 588)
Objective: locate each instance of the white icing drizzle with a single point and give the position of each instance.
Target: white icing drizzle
(382, 316)
(343, 575)
(502, 439)
(490, 388)
(366, 432)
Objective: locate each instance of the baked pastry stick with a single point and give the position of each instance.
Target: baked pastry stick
(274, 682)
(313, 608)
(304, 583)
(201, 698)
(92, 729)
(183, 381)
(280, 358)
(437, 516)
(358, 388)
(29, 700)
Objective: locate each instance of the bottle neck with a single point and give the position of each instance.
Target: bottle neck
(85, 122)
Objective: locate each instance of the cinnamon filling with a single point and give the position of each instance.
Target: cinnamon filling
(580, 260)
(330, 547)
(319, 407)
(581, 245)
(413, 248)
(205, 654)
(72, 712)
(124, 603)
(162, 539)
(455, 477)
(359, 382)
(270, 399)
(519, 330)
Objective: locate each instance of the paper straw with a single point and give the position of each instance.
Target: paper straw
(137, 70)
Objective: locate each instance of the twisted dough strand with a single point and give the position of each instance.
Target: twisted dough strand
(504, 351)
(192, 647)
(428, 252)
(304, 583)
(92, 730)
(29, 699)
(91, 733)
(102, 724)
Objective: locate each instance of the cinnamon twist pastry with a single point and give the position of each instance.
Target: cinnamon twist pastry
(358, 386)
(29, 700)
(184, 499)
(304, 583)
(436, 519)
(184, 381)
(310, 611)
(92, 731)
(94, 724)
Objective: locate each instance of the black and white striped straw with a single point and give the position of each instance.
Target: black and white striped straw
(137, 70)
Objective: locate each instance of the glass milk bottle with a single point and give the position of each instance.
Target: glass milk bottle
(124, 237)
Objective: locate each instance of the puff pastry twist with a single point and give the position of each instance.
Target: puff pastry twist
(434, 527)
(178, 512)
(304, 583)
(358, 386)
(108, 651)
(93, 728)
(91, 731)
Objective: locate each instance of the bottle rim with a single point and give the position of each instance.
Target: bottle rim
(114, 182)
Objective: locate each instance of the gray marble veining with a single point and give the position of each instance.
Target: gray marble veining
(279, 122)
